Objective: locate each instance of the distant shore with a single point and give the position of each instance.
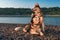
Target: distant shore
(22, 15)
(15, 15)
(51, 15)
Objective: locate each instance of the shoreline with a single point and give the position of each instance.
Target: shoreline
(51, 15)
(25, 24)
(22, 15)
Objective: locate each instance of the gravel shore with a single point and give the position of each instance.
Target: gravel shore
(7, 32)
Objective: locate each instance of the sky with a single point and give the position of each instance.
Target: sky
(28, 3)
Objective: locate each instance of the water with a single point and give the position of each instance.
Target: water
(52, 20)
(26, 20)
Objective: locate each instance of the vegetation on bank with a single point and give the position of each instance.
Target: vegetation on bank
(28, 11)
(51, 11)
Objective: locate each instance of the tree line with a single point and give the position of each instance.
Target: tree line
(28, 11)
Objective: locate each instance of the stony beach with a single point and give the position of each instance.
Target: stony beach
(7, 32)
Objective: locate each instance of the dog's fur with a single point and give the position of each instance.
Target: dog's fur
(33, 28)
(37, 25)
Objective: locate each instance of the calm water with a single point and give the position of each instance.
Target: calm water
(26, 20)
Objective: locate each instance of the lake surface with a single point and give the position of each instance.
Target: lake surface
(25, 20)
